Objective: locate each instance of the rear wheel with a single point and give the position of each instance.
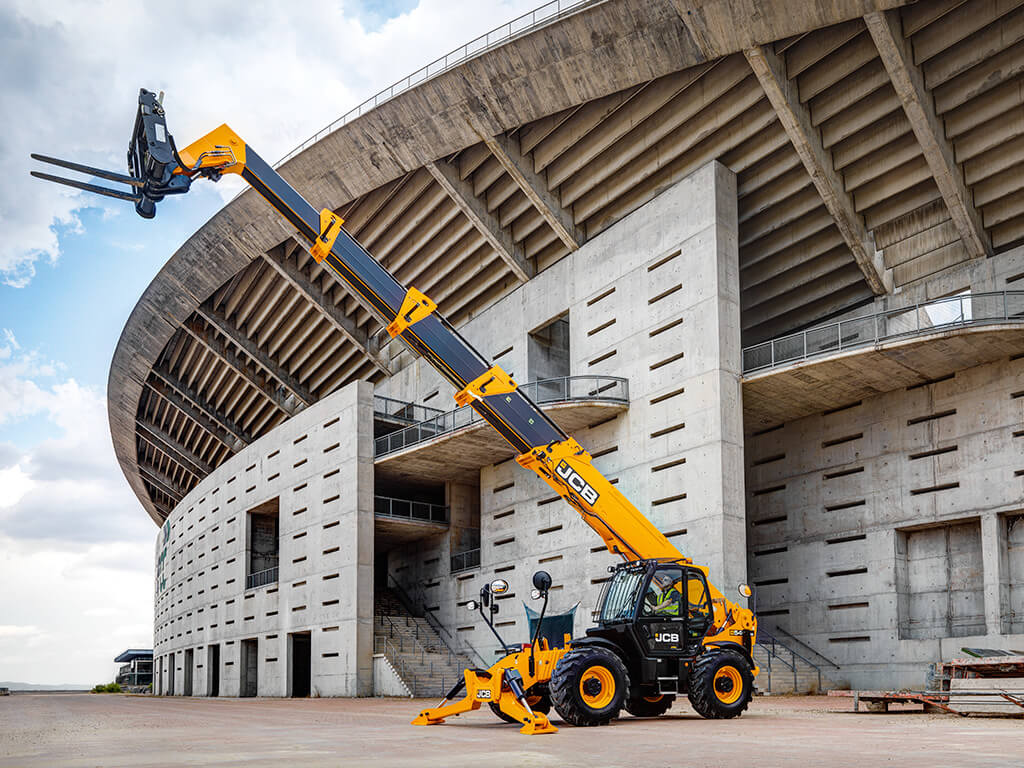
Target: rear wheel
(650, 706)
(589, 686)
(721, 684)
(537, 697)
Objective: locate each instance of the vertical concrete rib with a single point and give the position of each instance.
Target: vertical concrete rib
(770, 70)
(461, 193)
(506, 152)
(908, 81)
(343, 323)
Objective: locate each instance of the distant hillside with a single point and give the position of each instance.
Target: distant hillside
(15, 686)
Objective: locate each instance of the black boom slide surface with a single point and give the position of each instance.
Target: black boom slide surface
(513, 415)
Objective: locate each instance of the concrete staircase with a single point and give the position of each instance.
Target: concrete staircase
(416, 651)
(788, 669)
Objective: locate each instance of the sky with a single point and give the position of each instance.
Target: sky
(76, 547)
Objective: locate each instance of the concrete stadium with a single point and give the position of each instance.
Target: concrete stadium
(767, 267)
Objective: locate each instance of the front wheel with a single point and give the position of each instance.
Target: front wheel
(721, 684)
(589, 686)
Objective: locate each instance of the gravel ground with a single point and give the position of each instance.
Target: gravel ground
(48, 730)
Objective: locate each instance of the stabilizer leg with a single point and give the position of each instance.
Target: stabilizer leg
(473, 683)
(513, 703)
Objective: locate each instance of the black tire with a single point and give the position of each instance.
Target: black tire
(721, 684)
(651, 706)
(589, 686)
(537, 697)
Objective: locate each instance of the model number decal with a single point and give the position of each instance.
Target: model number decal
(667, 637)
(577, 483)
(483, 694)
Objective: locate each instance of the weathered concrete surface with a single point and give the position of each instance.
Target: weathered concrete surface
(655, 298)
(80, 731)
(318, 469)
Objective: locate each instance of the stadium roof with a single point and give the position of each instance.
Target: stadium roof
(874, 146)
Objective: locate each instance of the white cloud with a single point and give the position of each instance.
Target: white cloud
(276, 72)
(10, 630)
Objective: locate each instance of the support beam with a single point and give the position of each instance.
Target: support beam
(908, 82)
(271, 390)
(770, 70)
(289, 270)
(217, 319)
(506, 152)
(182, 397)
(475, 209)
(161, 482)
(172, 449)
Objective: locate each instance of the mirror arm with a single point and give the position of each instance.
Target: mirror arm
(536, 632)
(489, 619)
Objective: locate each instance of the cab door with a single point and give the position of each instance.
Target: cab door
(661, 615)
(699, 616)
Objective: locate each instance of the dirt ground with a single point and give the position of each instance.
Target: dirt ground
(39, 730)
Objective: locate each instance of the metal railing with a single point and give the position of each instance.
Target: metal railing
(520, 25)
(400, 410)
(775, 648)
(545, 391)
(406, 509)
(464, 561)
(261, 578)
(968, 309)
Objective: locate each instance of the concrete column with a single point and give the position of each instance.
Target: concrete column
(715, 425)
(994, 566)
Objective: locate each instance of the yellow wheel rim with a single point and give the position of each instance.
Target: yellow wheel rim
(532, 700)
(652, 699)
(728, 685)
(597, 687)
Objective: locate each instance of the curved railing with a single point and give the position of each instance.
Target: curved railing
(962, 310)
(545, 391)
(520, 25)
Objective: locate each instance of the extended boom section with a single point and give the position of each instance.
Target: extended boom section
(664, 629)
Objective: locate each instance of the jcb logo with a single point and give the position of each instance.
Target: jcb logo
(577, 483)
(667, 637)
(483, 694)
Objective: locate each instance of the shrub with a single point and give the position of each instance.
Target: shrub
(108, 688)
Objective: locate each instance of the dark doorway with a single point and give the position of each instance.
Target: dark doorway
(250, 665)
(547, 360)
(213, 669)
(189, 664)
(170, 673)
(300, 647)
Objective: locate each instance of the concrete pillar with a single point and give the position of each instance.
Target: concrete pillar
(994, 566)
(715, 425)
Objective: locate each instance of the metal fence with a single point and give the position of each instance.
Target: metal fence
(561, 389)
(917, 319)
(400, 410)
(261, 578)
(464, 561)
(520, 25)
(406, 509)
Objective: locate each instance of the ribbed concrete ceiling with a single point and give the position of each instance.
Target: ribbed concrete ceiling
(901, 132)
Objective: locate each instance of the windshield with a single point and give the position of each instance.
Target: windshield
(620, 596)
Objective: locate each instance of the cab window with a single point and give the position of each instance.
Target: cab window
(698, 604)
(664, 594)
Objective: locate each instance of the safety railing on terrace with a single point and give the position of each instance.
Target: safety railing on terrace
(968, 309)
(261, 578)
(545, 391)
(400, 410)
(464, 561)
(406, 509)
(520, 25)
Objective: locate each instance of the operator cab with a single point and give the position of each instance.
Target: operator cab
(664, 606)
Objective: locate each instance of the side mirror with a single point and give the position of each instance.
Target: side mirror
(745, 590)
(499, 586)
(542, 581)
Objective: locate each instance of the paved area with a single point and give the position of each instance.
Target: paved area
(111, 730)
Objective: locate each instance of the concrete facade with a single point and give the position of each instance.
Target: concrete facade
(653, 299)
(316, 473)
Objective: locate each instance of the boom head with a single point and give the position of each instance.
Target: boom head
(154, 168)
